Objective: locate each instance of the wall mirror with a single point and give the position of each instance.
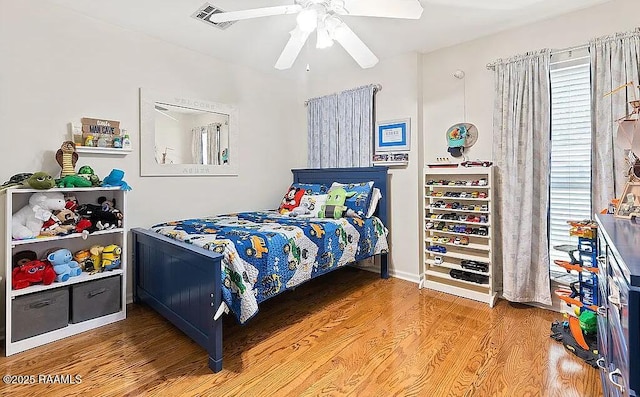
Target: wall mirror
(186, 137)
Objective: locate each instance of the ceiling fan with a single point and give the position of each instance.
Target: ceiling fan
(323, 16)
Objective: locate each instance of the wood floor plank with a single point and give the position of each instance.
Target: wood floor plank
(348, 333)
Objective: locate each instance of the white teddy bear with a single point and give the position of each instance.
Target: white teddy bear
(27, 222)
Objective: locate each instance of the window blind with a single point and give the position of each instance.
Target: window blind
(570, 184)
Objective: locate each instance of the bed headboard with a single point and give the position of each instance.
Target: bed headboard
(350, 175)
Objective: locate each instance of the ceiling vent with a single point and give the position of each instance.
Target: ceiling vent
(206, 10)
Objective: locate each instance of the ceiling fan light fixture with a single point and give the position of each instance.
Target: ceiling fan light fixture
(323, 38)
(307, 20)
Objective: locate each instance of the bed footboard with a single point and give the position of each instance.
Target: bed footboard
(183, 283)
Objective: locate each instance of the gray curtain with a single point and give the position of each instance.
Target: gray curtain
(614, 62)
(521, 139)
(340, 129)
(196, 144)
(322, 130)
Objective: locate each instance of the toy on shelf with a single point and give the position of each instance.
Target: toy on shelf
(67, 157)
(16, 180)
(27, 221)
(73, 181)
(83, 257)
(60, 223)
(87, 172)
(63, 264)
(32, 272)
(115, 178)
(41, 181)
(110, 257)
(96, 257)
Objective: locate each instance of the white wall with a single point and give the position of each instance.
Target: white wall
(398, 99)
(444, 94)
(58, 66)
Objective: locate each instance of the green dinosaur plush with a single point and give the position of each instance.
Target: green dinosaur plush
(334, 207)
(41, 180)
(87, 172)
(73, 181)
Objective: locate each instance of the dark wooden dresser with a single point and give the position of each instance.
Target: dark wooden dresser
(619, 292)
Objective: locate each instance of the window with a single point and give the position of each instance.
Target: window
(570, 184)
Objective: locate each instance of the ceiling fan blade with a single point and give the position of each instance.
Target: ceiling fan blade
(354, 46)
(254, 13)
(408, 9)
(487, 4)
(292, 49)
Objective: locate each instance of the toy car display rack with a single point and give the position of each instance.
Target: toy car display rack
(583, 260)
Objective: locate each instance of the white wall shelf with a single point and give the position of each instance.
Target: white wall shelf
(102, 150)
(437, 275)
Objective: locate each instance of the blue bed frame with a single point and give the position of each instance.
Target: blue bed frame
(182, 282)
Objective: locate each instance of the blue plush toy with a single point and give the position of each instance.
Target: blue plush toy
(115, 179)
(63, 264)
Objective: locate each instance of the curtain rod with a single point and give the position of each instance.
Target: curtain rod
(492, 66)
(376, 88)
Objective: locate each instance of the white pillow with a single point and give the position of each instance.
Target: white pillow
(376, 195)
(314, 203)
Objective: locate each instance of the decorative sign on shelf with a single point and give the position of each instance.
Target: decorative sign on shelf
(99, 133)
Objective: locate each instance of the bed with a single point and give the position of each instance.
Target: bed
(191, 270)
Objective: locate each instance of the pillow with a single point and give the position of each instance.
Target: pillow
(313, 204)
(312, 188)
(359, 202)
(291, 199)
(373, 204)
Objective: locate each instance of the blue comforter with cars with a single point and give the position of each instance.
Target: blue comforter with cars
(265, 253)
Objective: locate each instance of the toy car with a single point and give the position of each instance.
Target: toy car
(437, 248)
(437, 260)
(476, 163)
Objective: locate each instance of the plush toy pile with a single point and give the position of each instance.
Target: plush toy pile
(59, 264)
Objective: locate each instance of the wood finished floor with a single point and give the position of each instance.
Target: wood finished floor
(346, 333)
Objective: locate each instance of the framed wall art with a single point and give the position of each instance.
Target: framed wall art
(393, 136)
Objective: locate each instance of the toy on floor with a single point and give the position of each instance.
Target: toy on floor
(32, 272)
(41, 181)
(63, 264)
(67, 157)
(115, 178)
(28, 220)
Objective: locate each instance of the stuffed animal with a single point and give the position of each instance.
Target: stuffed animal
(96, 257)
(83, 257)
(60, 222)
(41, 181)
(291, 200)
(111, 257)
(115, 179)
(73, 181)
(334, 207)
(32, 272)
(28, 220)
(22, 257)
(100, 219)
(16, 180)
(87, 172)
(63, 264)
(67, 157)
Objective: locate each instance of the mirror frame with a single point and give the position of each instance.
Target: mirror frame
(148, 164)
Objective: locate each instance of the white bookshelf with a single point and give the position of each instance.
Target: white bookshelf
(436, 274)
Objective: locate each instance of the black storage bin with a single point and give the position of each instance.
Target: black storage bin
(38, 313)
(94, 299)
